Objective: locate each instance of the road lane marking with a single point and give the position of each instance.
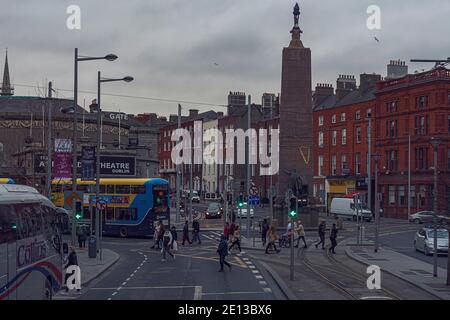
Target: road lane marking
(198, 293)
(232, 292)
(252, 267)
(258, 277)
(255, 271)
(268, 290)
(114, 293)
(145, 288)
(124, 283)
(264, 283)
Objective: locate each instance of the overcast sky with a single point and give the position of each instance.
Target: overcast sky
(171, 47)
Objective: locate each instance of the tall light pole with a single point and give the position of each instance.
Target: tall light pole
(78, 58)
(409, 175)
(271, 171)
(49, 141)
(177, 218)
(249, 127)
(377, 157)
(98, 219)
(435, 142)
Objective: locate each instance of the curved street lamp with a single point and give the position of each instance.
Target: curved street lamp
(100, 80)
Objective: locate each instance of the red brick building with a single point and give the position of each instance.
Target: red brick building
(416, 105)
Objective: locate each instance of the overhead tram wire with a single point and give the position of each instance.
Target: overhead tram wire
(135, 97)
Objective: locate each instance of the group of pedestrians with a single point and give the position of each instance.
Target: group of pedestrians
(165, 240)
(195, 233)
(333, 236)
(231, 237)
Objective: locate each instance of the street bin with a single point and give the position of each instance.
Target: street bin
(92, 247)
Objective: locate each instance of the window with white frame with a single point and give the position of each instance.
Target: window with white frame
(320, 120)
(344, 163)
(358, 135)
(344, 136)
(333, 165)
(358, 115)
(333, 119)
(320, 166)
(334, 138)
(358, 163)
(343, 117)
(320, 139)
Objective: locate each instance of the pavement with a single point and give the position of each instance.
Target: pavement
(414, 271)
(92, 268)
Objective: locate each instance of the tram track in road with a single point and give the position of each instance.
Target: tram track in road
(344, 279)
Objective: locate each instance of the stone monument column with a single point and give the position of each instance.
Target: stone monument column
(295, 117)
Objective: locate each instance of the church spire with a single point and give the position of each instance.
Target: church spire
(6, 89)
(296, 31)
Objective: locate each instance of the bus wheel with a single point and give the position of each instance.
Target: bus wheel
(48, 291)
(123, 232)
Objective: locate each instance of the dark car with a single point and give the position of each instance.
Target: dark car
(214, 211)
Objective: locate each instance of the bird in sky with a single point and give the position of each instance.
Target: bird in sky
(216, 64)
(376, 39)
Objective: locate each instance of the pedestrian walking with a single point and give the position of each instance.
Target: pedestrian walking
(174, 244)
(333, 238)
(264, 230)
(72, 261)
(186, 234)
(232, 228)
(226, 230)
(162, 230)
(322, 228)
(196, 231)
(300, 231)
(272, 237)
(236, 239)
(156, 235)
(222, 251)
(81, 233)
(166, 244)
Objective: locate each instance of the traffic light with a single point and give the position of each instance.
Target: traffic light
(292, 207)
(78, 210)
(241, 201)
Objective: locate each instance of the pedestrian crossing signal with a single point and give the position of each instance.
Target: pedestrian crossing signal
(241, 201)
(78, 210)
(292, 207)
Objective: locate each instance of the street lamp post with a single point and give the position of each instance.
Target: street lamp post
(377, 157)
(98, 219)
(78, 58)
(435, 142)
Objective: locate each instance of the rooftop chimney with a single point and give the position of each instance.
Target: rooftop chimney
(193, 113)
(322, 92)
(367, 81)
(344, 85)
(173, 118)
(396, 69)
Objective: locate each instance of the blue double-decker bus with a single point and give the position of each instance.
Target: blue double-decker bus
(133, 206)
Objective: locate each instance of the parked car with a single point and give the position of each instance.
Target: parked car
(424, 241)
(345, 208)
(195, 197)
(242, 212)
(421, 217)
(214, 210)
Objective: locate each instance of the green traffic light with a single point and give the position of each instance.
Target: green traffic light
(78, 216)
(292, 213)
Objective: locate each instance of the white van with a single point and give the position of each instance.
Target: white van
(345, 208)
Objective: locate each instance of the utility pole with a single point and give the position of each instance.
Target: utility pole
(49, 141)
(435, 143)
(292, 239)
(409, 175)
(369, 174)
(377, 204)
(249, 151)
(97, 162)
(178, 171)
(190, 178)
(74, 142)
(271, 166)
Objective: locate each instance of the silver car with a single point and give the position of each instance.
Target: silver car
(421, 217)
(424, 241)
(242, 212)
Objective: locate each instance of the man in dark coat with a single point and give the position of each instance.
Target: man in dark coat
(333, 238)
(322, 228)
(222, 250)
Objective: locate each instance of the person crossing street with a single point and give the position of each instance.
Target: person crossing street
(222, 251)
(333, 238)
(196, 231)
(186, 234)
(322, 228)
(300, 230)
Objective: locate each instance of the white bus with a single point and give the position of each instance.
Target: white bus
(30, 245)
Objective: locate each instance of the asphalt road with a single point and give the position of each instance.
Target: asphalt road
(403, 243)
(193, 275)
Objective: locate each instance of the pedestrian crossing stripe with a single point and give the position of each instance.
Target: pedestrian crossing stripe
(240, 262)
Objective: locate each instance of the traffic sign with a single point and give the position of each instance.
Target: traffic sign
(101, 204)
(254, 199)
(71, 197)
